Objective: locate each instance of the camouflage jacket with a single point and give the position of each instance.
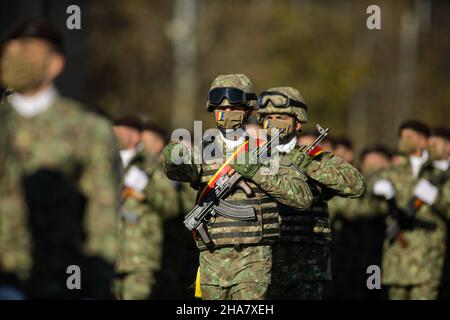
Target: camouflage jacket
(307, 233)
(328, 176)
(442, 204)
(287, 186)
(142, 213)
(59, 189)
(422, 260)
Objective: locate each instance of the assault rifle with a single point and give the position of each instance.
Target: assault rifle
(213, 204)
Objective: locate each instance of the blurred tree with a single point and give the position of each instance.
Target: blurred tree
(183, 35)
(131, 59)
(357, 81)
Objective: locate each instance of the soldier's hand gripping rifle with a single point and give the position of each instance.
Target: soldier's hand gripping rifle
(406, 219)
(302, 157)
(212, 203)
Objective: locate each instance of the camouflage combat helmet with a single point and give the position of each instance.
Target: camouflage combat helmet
(299, 111)
(237, 81)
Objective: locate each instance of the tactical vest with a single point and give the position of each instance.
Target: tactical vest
(309, 226)
(264, 229)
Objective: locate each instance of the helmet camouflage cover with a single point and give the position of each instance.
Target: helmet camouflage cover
(238, 81)
(298, 113)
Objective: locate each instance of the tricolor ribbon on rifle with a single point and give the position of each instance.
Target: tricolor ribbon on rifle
(226, 168)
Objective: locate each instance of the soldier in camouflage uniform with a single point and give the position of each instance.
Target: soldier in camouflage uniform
(58, 189)
(147, 197)
(239, 265)
(301, 257)
(368, 205)
(358, 232)
(439, 150)
(412, 263)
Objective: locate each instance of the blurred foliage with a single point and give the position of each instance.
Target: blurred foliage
(348, 75)
(130, 60)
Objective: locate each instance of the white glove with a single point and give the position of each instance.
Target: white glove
(384, 188)
(426, 192)
(136, 179)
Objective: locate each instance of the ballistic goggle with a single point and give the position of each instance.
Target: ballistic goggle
(278, 100)
(233, 95)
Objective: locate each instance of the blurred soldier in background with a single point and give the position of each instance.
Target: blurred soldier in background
(174, 280)
(239, 264)
(413, 257)
(307, 137)
(154, 138)
(165, 195)
(375, 159)
(358, 232)
(301, 257)
(58, 186)
(439, 150)
(343, 148)
(147, 196)
(128, 132)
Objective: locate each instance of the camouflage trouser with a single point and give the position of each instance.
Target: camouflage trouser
(241, 291)
(306, 290)
(134, 285)
(300, 271)
(236, 273)
(423, 291)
